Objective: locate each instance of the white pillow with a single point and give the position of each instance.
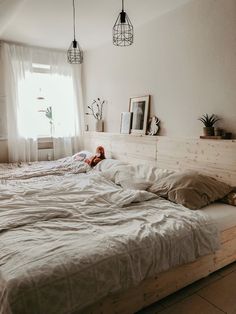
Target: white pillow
(128, 180)
(134, 177)
(150, 173)
(107, 164)
(127, 177)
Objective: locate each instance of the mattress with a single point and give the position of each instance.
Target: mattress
(224, 215)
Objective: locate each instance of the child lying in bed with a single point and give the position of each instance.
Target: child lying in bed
(99, 156)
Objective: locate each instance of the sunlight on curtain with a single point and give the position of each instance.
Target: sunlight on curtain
(58, 93)
(27, 115)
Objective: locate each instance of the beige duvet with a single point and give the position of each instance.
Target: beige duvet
(68, 241)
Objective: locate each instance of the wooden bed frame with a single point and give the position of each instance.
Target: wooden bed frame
(213, 157)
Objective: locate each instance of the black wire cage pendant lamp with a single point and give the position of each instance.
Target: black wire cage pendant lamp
(74, 53)
(123, 31)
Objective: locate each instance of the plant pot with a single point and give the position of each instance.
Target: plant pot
(208, 131)
(227, 135)
(218, 132)
(99, 126)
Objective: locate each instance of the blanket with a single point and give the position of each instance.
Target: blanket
(67, 243)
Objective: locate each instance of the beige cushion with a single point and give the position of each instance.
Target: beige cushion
(191, 189)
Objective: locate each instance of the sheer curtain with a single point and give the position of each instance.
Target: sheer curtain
(17, 62)
(64, 92)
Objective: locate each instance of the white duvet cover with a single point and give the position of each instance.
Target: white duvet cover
(64, 166)
(68, 241)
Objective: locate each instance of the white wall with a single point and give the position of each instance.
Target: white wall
(185, 59)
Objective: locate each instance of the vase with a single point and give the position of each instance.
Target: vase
(218, 132)
(99, 126)
(208, 131)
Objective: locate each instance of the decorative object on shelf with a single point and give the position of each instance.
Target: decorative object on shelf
(153, 126)
(208, 122)
(74, 53)
(123, 31)
(125, 124)
(96, 110)
(227, 135)
(99, 126)
(218, 132)
(140, 108)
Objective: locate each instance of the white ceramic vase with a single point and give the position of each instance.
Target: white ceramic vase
(99, 126)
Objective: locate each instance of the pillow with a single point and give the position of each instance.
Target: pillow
(140, 176)
(230, 198)
(81, 156)
(151, 173)
(128, 180)
(107, 164)
(191, 189)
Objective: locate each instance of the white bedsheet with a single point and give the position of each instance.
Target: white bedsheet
(224, 215)
(68, 241)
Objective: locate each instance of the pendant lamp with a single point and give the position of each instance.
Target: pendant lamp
(74, 53)
(123, 31)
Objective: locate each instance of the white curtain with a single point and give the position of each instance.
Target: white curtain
(17, 62)
(64, 94)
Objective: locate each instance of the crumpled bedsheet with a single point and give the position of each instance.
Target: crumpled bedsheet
(67, 243)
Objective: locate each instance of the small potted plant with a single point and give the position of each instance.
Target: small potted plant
(208, 121)
(96, 110)
(48, 114)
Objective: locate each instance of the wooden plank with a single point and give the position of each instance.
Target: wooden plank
(213, 158)
(93, 139)
(133, 148)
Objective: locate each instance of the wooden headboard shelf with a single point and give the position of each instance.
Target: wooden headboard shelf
(216, 158)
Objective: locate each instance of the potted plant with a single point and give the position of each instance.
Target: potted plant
(48, 114)
(96, 110)
(208, 121)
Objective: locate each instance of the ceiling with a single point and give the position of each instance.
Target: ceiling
(48, 23)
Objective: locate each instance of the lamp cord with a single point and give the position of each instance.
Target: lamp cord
(74, 16)
(122, 5)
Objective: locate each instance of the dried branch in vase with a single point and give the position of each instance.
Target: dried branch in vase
(96, 109)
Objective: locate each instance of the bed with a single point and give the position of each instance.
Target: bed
(45, 268)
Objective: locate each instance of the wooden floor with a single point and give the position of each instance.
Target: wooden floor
(214, 294)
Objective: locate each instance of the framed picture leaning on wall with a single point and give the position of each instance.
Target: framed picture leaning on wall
(140, 108)
(125, 124)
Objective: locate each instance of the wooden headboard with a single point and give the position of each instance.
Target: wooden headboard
(216, 158)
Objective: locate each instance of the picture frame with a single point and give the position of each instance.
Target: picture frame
(125, 123)
(139, 106)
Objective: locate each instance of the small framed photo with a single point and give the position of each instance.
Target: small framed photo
(139, 106)
(125, 124)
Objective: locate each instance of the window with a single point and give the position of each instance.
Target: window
(47, 104)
